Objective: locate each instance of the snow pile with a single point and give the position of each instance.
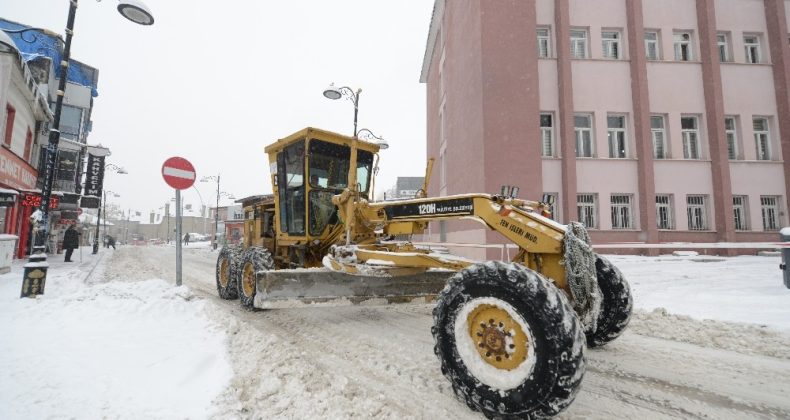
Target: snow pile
(118, 349)
(740, 338)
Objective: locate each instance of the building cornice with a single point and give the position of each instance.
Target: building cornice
(433, 32)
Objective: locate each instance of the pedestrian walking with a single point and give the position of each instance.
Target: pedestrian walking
(71, 241)
(110, 242)
(186, 239)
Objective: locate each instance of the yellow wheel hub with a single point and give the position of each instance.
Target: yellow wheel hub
(499, 339)
(224, 272)
(248, 279)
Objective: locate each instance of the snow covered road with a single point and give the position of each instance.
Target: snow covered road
(379, 362)
(366, 362)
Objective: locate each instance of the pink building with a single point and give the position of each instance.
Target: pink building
(649, 120)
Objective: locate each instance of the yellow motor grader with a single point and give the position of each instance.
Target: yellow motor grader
(510, 335)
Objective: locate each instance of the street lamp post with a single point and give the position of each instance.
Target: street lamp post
(105, 195)
(335, 93)
(119, 170)
(216, 209)
(135, 11)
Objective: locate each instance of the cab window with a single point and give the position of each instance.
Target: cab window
(290, 174)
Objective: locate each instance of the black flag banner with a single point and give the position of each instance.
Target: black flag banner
(94, 176)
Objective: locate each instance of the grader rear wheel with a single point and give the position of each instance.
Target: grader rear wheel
(254, 259)
(508, 341)
(227, 272)
(616, 304)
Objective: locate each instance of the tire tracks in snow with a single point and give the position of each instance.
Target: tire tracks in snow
(378, 361)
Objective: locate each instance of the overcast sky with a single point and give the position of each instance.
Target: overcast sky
(216, 81)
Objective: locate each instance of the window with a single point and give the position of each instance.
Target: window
(732, 137)
(752, 45)
(683, 46)
(9, 124)
(616, 134)
(28, 145)
(659, 134)
(621, 211)
(739, 212)
(290, 183)
(583, 128)
(651, 45)
(553, 208)
(724, 47)
(578, 43)
(585, 205)
(770, 208)
(611, 44)
(664, 211)
(70, 122)
(696, 206)
(547, 135)
(761, 138)
(690, 131)
(544, 43)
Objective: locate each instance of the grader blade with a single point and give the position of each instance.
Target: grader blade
(324, 287)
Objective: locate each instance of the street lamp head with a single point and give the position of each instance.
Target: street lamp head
(136, 11)
(332, 92)
(122, 171)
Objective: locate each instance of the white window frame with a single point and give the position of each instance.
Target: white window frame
(664, 215)
(683, 42)
(443, 167)
(769, 207)
(622, 211)
(731, 134)
(762, 138)
(547, 135)
(691, 138)
(659, 137)
(697, 212)
(653, 45)
(580, 133)
(723, 42)
(579, 44)
(740, 212)
(617, 137)
(554, 209)
(751, 46)
(587, 209)
(612, 42)
(544, 42)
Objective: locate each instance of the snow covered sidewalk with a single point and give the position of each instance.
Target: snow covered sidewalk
(95, 349)
(745, 289)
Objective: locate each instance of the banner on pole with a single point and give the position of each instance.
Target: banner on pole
(94, 176)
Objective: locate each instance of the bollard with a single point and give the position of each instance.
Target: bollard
(784, 236)
(35, 275)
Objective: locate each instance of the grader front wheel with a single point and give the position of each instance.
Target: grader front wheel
(254, 259)
(509, 341)
(616, 305)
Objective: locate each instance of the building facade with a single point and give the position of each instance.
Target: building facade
(647, 120)
(42, 53)
(23, 111)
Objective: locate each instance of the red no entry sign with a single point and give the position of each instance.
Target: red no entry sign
(178, 173)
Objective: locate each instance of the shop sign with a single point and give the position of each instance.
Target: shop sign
(34, 200)
(7, 200)
(94, 175)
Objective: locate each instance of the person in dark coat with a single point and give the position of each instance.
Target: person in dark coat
(110, 241)
(186, 238)
(71, 241)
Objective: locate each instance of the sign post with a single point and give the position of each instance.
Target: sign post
(179, 174)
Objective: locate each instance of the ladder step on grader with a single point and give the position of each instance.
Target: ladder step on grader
(510, 335)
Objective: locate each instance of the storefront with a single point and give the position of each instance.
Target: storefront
(17, 181)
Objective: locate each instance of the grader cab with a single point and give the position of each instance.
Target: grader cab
(510, 335)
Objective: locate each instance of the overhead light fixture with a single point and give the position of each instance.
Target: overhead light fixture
(332, 92)
(136, 11)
